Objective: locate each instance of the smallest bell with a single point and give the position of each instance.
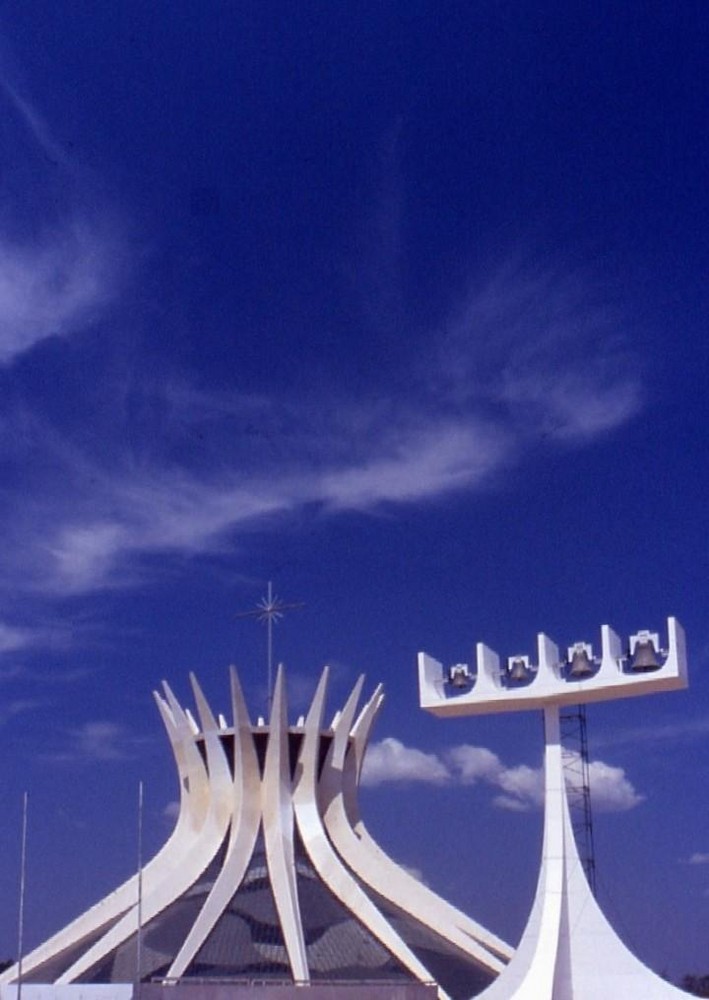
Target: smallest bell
(459, 676)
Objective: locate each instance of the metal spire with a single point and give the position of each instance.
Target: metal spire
(269, 610)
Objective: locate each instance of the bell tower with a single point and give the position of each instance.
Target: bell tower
(568, 951)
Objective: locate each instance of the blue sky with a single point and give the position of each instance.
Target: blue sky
(402, 306)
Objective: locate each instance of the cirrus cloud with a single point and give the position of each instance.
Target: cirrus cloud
(53, 285)
(171, 470)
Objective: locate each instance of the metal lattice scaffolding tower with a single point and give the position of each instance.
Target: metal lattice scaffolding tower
(578, 785)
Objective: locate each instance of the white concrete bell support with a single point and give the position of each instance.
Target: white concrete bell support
(637, 667)
(568, 950)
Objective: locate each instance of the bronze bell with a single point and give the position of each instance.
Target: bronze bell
(644, 656)
(459, 676)
(517, 669)
(580, 664)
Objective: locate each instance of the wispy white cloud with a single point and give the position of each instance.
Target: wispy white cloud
(55, 276)
(21, 639)
(698, 858)
(31, 118)
(679, 731)
(183, 474)
(572, 406)
(19, 672)
(53, 285)
(97, 741)
(100, 741)
(91, 526)
(175, 515)
(17, 706)
(12, 639)
(518, 788)
(173, 470)
(542, 347)
(428, 462)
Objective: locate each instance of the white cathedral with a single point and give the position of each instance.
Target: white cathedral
(269, 881)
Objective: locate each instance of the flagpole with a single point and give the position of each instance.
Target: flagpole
(139, 936)
(21, 914)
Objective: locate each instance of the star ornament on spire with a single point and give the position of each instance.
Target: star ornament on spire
(269, 610)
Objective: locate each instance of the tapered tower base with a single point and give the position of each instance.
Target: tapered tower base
(568, 950)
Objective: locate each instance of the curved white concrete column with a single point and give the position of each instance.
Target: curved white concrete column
(193, 808)
(324, 859)
(360, 734)
(195, 852)
(220, 775)
(354, 761)
(377, 870)
(246, 811)
(278, 832)
(352, 770)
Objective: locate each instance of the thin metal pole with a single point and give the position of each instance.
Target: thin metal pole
(139, 936)
(21, 914)
(269, 626)
(269, 610)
